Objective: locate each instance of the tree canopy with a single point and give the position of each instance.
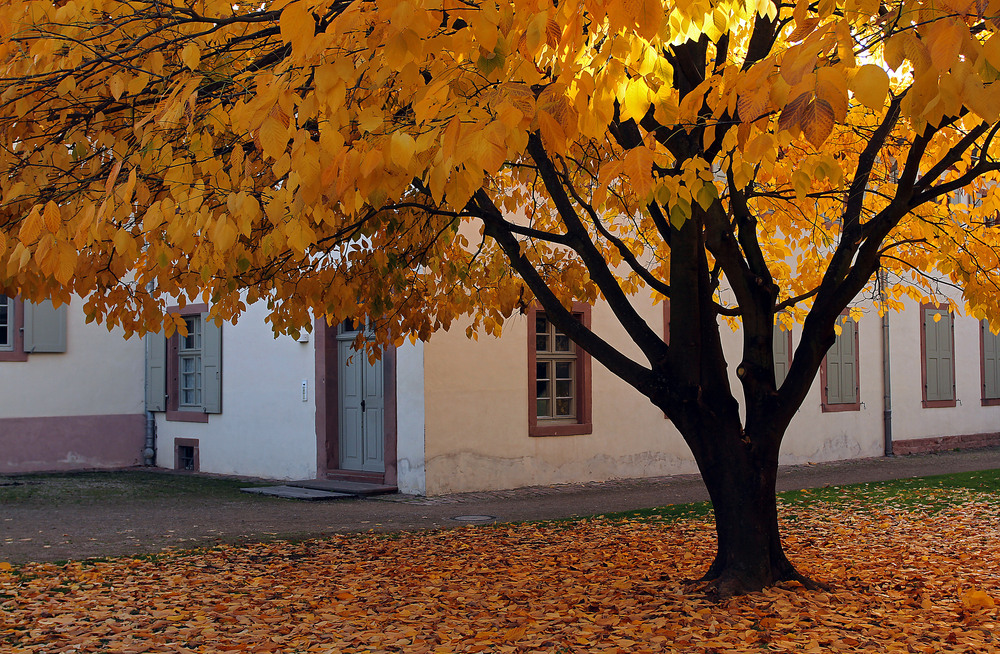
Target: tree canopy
(324, 154)
(418, 160)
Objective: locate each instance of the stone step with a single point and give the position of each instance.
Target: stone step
(297, 493)
(356, 488)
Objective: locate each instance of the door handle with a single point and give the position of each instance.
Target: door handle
(362, 406)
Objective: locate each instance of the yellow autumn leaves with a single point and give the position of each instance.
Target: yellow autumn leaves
(239, 146)
(900, 580)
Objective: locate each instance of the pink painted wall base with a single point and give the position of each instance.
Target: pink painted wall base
(942, 443)
(71, 442)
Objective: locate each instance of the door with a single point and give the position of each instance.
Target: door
(362, 409)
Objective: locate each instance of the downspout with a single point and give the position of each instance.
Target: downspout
(149, 449)
(886, 385)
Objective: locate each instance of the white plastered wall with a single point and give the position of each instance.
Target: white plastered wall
(410, 469)
(265, 428)
(910, 418)
(477, 415)
(100, 373)
(815, 435)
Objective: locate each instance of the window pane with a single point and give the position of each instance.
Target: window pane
(563, 344)
(564, 407)
(542, 370)
(5, 315)
(193, 339)
(564, 388)
(542, 409)
(564, 370)
(541, 333)
(190, 381)
(542, 389)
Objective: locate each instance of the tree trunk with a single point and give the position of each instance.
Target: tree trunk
(740, 474)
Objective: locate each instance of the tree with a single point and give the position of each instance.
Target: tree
(418, 160)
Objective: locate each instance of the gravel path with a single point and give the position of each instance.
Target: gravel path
(77, 528)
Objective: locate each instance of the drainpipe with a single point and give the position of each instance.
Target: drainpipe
(149, 448)
(886, 386)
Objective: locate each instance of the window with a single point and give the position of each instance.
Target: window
(30, 328)
(559, 378)
(186, 454)
(6, 324)
(839, 372)
(937, 362)
(184, 373)
(990, 364)
(189, 351)
(782, 354)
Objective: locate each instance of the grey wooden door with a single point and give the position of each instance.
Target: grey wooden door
(362, 409)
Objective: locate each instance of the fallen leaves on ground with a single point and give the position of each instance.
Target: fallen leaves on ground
(901, 581)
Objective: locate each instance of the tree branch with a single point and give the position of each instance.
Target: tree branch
(619, 364)
(579, 239)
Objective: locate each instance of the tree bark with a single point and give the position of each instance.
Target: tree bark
(740, 471)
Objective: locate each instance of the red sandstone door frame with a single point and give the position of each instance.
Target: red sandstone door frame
(328, 412)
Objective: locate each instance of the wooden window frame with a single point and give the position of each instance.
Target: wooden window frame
(174, 412)
(16, 351)
(986, 401)
(194, 354)
(935, 404)
(828, 407)
(583, 422)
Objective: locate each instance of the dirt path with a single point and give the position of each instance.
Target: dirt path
(73, 523)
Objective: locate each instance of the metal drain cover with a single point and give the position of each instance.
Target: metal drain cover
(474, 518)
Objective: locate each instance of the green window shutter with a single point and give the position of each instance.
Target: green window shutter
(211, 364)
(834, 372)
(782, 355)
(842, 366)
(848, 363)
(939, 358)
(44, 327)
(931, 390)
(991, 362)
(947, 368)
(156, 372)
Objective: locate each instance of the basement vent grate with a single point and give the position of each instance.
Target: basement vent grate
(185, 457)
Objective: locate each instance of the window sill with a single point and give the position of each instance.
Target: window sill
(13, 356)
(991, 401)
(836, 408)
(573, 429)
(186, 416)
(938, 404)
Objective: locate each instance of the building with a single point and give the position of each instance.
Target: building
(70, 392)
(455, 414)
(452, 414)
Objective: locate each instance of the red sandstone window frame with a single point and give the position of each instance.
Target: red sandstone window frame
(16, 353)
(583, 422)
(174, 413)
(986, 401)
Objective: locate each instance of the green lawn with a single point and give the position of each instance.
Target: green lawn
(925, 494)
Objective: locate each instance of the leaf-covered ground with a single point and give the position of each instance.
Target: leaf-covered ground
(903, 579)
